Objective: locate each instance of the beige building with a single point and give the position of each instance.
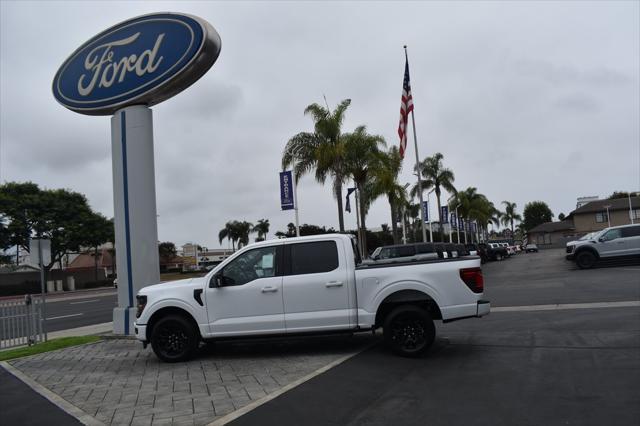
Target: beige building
(601, 214)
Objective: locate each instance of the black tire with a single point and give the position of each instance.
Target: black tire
(409, 331)
(586, 260)
(174, 339)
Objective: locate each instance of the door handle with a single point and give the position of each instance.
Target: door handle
(269, 289)
(333, 284)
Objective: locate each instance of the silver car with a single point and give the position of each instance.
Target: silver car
(610, 243)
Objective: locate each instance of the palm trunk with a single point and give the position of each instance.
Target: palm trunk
(338, 194)
(440, 217)
(394, 224)
(363, 231)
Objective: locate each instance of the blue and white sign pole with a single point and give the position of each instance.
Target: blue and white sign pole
(122, 72)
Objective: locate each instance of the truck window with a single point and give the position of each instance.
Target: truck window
(313, 258)
(249, 266)
(631, 231)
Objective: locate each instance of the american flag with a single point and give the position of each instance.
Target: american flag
(406, 106)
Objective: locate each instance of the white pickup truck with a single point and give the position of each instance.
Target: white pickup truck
(309, 285)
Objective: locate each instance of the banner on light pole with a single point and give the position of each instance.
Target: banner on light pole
(444, 213)
(425, 207)
(286, 191)
(454, 221)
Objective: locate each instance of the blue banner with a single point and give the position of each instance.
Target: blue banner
(461, 223)
(425, 207)
(473, 227)
(286, 191)
(347, 206)
(454, 221)
(445, 214)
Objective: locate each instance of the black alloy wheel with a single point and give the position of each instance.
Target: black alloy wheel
(174, 339)
(409, 331)
(586, 260)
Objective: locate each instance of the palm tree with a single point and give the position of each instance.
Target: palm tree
(322, 150)
(510, 215)
(243, 230)
(361, 157)
(385, 182)
(230, 233)
(436, 176)
(472, 206)
(262, 229)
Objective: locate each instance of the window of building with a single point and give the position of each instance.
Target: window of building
(635, 213)
(602, 217)
(313, 258)
(547, 238)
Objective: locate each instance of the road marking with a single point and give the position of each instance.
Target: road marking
(255, 404)
(64, 316)
(563, 306)
(86, 301)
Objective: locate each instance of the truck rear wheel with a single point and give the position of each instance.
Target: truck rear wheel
(409, 330)
(174, 339)
(586, 260)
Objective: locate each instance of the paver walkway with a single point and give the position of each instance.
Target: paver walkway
(119, 383)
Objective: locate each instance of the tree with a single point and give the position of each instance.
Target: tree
(385, 182)
(436, 176)
(510, 215)
(322, 150)
(243, 229)
(536, 213)
(230, 233)
(60, 215)
(262, 229)
(561, 216)
(619, 194)
(473, 206)
(167, 251)
(361, 156)
(305, 229)
(99, 230)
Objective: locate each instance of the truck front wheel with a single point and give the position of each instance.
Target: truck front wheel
(586, 260)
(174, 339)
(409, 330)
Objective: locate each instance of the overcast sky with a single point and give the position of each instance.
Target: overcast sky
(526, 100)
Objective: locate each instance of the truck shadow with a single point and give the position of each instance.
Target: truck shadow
(277, 347)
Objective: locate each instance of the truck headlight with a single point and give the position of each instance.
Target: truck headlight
(142, 302)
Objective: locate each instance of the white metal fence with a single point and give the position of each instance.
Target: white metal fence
(21, 322)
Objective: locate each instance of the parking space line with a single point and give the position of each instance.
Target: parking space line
(63, 316)
(565, 306)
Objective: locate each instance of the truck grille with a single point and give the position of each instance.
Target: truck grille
(570, 249)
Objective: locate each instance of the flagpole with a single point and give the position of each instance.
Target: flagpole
(418, 168)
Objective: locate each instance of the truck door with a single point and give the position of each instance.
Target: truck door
(611, 243)
(249, 298)
(315, 287)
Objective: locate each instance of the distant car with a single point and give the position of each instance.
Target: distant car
(531, 248)
(115, 282)
(494, 251)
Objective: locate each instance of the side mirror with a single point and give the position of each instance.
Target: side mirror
(601, 240)
(216, 281)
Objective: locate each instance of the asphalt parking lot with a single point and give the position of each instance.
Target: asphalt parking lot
(575, 363)
(561, 346)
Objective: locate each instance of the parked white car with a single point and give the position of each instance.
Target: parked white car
(610, 243)
(306, 285)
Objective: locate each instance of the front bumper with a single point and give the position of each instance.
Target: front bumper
(569, 256)
(484, 307)
(140, 331)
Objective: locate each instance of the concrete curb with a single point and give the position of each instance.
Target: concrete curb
(56, 400)
(87, 330)
(252, 406)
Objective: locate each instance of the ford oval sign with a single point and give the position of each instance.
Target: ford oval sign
(142, 61)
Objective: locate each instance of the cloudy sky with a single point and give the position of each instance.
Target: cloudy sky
(526, 100)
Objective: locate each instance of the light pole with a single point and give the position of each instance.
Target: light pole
(404, 216)
(630, 209)
(608, 218)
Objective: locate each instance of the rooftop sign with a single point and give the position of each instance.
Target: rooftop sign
(142, 61)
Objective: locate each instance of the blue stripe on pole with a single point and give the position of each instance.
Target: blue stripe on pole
(444, 213)
(127, 233)
(425, 207)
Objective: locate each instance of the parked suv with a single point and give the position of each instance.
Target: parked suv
(610, 243)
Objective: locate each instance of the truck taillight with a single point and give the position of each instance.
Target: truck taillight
(472, 277)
